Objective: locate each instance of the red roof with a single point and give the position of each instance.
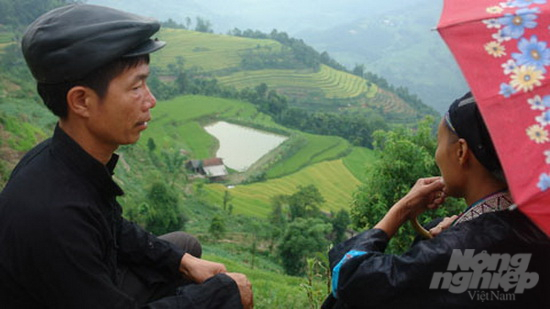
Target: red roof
(212, 162)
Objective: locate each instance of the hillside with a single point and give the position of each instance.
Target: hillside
(249, 240)
(399, 45)
(240, 62)
(304, 159)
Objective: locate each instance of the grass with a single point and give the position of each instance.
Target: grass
(211, 52)
(335, 182)
(271, 290)
(359, 161)
(313, 149)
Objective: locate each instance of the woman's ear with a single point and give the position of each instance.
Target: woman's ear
(462, 151)
(78, 100)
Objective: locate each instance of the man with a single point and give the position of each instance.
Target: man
(64, 243)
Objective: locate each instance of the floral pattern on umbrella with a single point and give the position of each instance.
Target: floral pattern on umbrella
(525, 68)
(502, 48)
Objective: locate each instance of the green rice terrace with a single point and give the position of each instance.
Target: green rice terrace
(332, 83)
(314, 88)
(302, 160)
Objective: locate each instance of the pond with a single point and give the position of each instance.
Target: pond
(241, 146)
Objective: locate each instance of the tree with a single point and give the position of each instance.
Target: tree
(404, 156)
(226, 199)
(173, 164)
(359, 70)
(302, 239)
(162, 210)
(151, 144)
(188, 22)
(217, 227)
(23, 12)
(305, 202)
(203, 25)
(340, 222)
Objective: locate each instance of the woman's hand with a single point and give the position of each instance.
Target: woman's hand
(427, 193)
(443, 225)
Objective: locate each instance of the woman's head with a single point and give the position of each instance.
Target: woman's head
(462, 139)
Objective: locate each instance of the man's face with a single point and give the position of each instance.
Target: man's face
(124, 112)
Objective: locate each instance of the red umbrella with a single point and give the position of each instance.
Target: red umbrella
(503, 49)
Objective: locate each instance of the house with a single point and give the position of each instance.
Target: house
(213, 168)
(195, 166)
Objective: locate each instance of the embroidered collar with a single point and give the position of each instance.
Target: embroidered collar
(495, 202)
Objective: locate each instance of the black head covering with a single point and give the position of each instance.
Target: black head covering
(68, 43)
(464, 119)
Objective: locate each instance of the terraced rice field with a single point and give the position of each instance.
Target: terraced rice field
(315, 148)
(332, 178)
(6, 39)
(332, 83)
(221, 55)
(211, 52)
(391, 103)
(359, 160)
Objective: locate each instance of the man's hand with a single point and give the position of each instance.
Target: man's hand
(199, 270)
(245, 289)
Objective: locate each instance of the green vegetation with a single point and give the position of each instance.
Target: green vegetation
(404, 156)
(161, 213)
(331, 83)
(210, 52)
(359, 161)
(310, 80)
(22, 135)
(302, 238)
(332, 178)
(312, 149)
(271, 290)
(6, 38)
(23, 12)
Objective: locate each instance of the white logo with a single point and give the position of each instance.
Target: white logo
(486, 272)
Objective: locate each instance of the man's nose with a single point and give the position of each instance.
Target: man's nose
(151, 100)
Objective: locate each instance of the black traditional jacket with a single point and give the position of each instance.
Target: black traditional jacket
(62, 238)
(424, 276)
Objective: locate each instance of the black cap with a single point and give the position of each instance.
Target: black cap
(68, 43)
(465, 120)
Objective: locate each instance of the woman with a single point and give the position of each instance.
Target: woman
(442, 271)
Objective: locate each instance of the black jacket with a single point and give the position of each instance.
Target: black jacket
(378, 280)
(62, 238)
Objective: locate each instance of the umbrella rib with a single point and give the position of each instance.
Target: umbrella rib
(459, 23)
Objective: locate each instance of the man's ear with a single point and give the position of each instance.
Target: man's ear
(462, 151)
(79, 99)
